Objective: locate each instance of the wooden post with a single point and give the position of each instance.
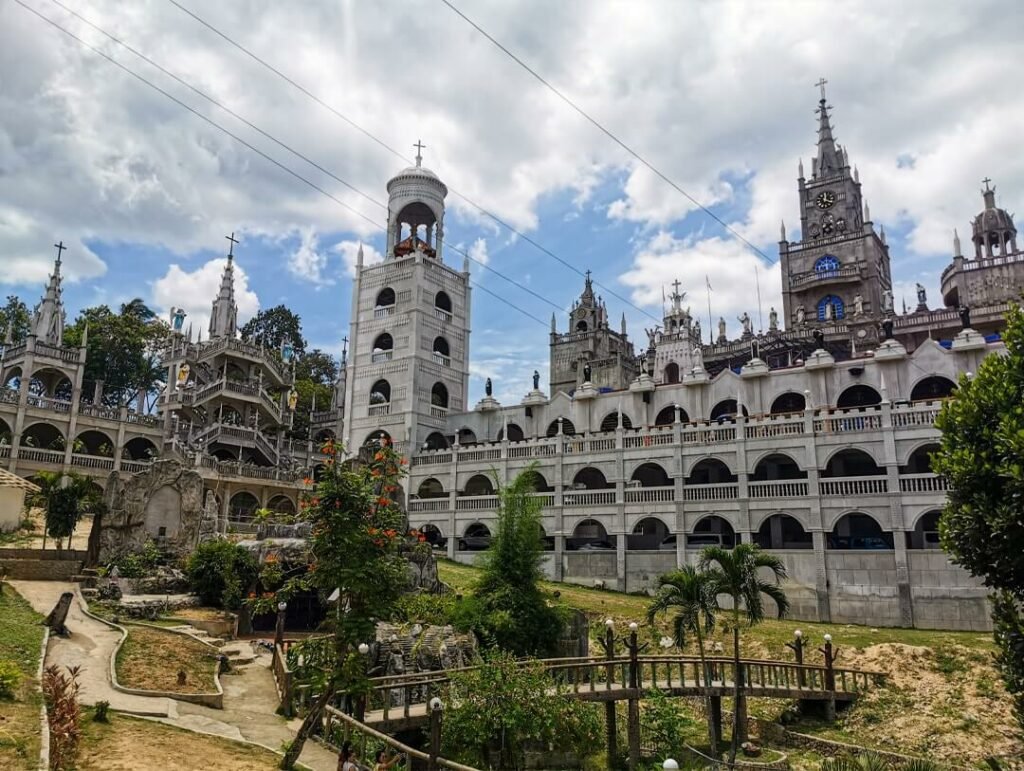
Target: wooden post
(435, 733)
(609, 706)
(797, 646)
(830, 654)
(633, 703)
(716, 717)
(282, 608)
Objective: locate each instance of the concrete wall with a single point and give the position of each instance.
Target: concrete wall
(40, 570)
(946, 596)
(12, 501)
(862, 587)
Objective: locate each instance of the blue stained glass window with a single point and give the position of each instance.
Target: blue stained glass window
(838, 308)
(826, 264)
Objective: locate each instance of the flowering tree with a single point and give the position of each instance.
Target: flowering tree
(356, 533)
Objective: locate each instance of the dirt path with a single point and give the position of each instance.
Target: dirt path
(250, 696)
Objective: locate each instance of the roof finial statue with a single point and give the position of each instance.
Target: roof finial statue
(554, 327)
(782, 231)
(867, 211)
(419, 152)
(344, 349)
(800, 169)
(60, 248)
(821, 84)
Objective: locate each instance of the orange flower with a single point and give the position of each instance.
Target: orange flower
(252, 595)
(383, 501)
(307, 481)
(390, 533)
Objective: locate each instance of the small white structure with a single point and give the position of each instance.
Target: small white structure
(12, 499)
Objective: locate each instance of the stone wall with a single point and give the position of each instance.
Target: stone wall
(40, 569)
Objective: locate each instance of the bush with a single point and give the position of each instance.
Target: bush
(10, 679)
(220, 572)
(421, 608)
(100, 715)
(61, 693)
(140, 563)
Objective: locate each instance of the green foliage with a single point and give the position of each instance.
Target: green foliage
(870, 761)
(982, 458)
(318, 367)
(220, 572)
(690, 592)
(273, 327)
(423, 608)
(100, 711)
(63, 498)
(10, 678)
(509, 609)
(306, 390)
(60, 689)
(123, 350)
(492, 712)
(15, 319)
(666, 727)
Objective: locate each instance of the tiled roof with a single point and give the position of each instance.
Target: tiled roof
(7, 479)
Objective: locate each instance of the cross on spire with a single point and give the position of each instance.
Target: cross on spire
(60, 248)
(821, 84)
(676, 284)
(419, 151)
(233, 240)
(588, 276)
(985, 182)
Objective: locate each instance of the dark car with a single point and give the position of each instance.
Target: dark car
(596, 546)
(474, 542)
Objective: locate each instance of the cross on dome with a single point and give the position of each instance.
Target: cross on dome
(419, 152)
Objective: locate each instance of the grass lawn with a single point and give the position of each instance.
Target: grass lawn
(127, 743)
(151, 659)
(943, 698)
(20, 639)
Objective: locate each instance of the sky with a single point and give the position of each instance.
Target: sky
(719, 97)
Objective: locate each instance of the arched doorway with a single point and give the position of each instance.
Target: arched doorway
(671, 372)
(667, 415)
(932, 389)
(242, 507)
(650, 475)
(920, 460)
(568, 429)
(782, 531)
(140, 448)
(435, 441)
(648, 535)
(712, 530)
(590, 478)
(858, 532)
(852, 463)
(726, 410)
(476, 538)
(590, 535)
(925, 534)
(94, 442)
(42, 436)
(777, 466)
(611, 422)
(859, 395)
(478, 484)
(431, 488)
(787, 403)
(710, 471)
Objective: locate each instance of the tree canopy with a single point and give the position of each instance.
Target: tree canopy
(15, 318)
(273, 326)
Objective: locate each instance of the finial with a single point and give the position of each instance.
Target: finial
(800, 169)
(344, 349)
(60, 248)
(881, 233)
(821, 84)
(867, 211)
(956, 243)
(623, 324)
(231, 249)
(419, 152)
(359, 256)
(984, 181)
(782, 231)
(588, 277)
(553, 327)
(856, 175)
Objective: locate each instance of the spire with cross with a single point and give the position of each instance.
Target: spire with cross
(419, 152)
(821, 84)
(344, 349)
(60, 248)
(231, 249)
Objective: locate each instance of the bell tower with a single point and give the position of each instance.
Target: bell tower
(409, 364)
(839, 270)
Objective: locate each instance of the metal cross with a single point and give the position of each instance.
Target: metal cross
(821, 84)
(60, 248)
(588, 276)
(344, 347)
(986, 181)
(419, 151)
(233, 240)
(676, 284)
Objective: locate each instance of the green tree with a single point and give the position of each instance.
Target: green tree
(870, 761)
(981, 456)
(307, 389)
(221, 572)
(318, 367)
(356, 532)
(15, 319)
(509, 608)
(272, 327)
(63, 499)
(736, 573)
(691, 594)
(494, 711)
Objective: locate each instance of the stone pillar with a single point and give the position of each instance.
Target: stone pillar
(557, 556)
(906, 597)
(821, 587)
(225, 505)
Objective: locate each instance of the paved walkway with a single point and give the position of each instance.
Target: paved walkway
(250, 696)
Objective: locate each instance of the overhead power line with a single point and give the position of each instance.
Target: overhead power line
(607, 132)
(373, 137)
(259, 152)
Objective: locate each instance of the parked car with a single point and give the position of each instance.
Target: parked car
(596, 546)
(474, 542)
(669, 544)
(708, 539)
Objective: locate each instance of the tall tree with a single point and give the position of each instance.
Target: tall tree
(137, 309)
(691, 594)
(736, 573)
(272, 327)
(981, 455)
(15, 319)
(317, 366)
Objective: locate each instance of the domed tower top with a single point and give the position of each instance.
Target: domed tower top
(416, 211)
(994, 233)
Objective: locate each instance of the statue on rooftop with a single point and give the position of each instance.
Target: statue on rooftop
(773, 320)
(721, 330)
(801, 315)
(488, 387)
(748, 325)
(536, 380)
(587, 372)
(965, 316)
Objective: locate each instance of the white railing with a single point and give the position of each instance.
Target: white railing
(546, 499)
(94, 411)
(762, 429)
(41, 456)
(915, 416)
(781, 488)
(650, 494)
(438, 412)
(134, 466)
(92, 461)
(529, 449)
(708, 434)
(588, 497)
(383, 311)
(442, 314)
(476, 502)
(5, 451)
(142, 420)
(9, 395)
(379, 410)
(849, 486)
(45, 403)
(493, 453)
(715, 492)
(431, 459)
(444, 361)
(843, 421)
(923, 483)
(650, 439)
(429, 504)
(378, 356)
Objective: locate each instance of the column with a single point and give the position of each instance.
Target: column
(821, 576)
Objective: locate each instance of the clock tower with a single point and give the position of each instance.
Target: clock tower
(838, 273)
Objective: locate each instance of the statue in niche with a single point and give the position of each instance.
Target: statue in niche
(829, 312)
(773, 320)
(858, 305)
(698, 358)
(887, 301)
(819, 339)
(801, 315)
(183, 373)
(887, 329)
(965, 316)
(587, 372)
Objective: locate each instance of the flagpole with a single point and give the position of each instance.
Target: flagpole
(757, 283)
(711, 323)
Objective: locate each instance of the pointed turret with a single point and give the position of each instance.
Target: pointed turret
(800, 169)
(956, 244)
(782, 231)
(622, 325)
(48, 319)
(225, 312)
(829, 159)
(554, 327)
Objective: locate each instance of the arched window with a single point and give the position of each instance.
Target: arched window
(383, 348)
(477, 537)
(568, 429)
(852, 463)
(281, 504)
(672, 372)
(781, 531)
(920, 460)
(859, 532)
(385, 300)
(443, 303)
(827, 263)
(648, 535)
(439, 396)
(925, 534)
(590, 535)
(667, 415)
(775, 467)
(42, 436)
(442, 352)
(859, 395)
(242, 506)
(651, 475)
(433, 535)
(581, 326)
(712, 531)
(515, 433)
(932, 388)
(590, 478)
(838, 308)
(466, 436)
(478, 484)
(540, 484)
(431, 488)
(788, 402)
(611, 421)
(726, 409)
(94, 443)
(380, 393)
(377, 438)
(710, 471)
(435, 441)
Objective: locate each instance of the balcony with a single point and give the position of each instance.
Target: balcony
(589, 498)
(650, 494)
(923, 483)
(846, 487)
(825, 278)
(379, 410)
(441, 413)
(383, 311)
(782, 488)
(713, 492)
(440, 358)
(378, 356)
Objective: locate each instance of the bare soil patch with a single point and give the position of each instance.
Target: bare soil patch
(201, 614)
(151, 659)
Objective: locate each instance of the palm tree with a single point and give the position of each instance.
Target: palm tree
(691, 594)
(63, 498)
(870, 761)
(47, 481)
(736, 573)
(138, 309)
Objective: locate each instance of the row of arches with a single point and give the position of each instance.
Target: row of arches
(243, 505)
(45, 381)
(855, 531)
(776, 466)
(386, 301)
(48, 436)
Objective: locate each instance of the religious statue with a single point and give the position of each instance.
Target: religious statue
(829, 312)
(922, 297)
(287, 352)
(801, 315)
(755, 349)
(488, 387)
(586, 372)
(858, 305)
(536, 380)
(748, 325)
(887, 301)
(819, 339)
(773, 319)
(965, 316)
(696, 329)
(698, 358)
(183, 373)
(293, 399)
(887, 329)
(721, 329)
(177, 319)
(653, 335)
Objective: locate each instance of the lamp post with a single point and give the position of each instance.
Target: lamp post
(608, 643)
(797, 646)
(633, 702)
(830, 654)
(360, 704)
(282, 607)
(436, 708)
(670, 765)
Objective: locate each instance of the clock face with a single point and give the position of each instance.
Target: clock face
(825, 200)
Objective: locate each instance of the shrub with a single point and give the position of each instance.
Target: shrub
(421, 608)
(61, 693)
(10, 678)
(100, 715)
(220, 572)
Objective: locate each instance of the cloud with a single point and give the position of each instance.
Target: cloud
(195, 291)
(307, 261)
(478, 251)
(736, 275)
(349, 251)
